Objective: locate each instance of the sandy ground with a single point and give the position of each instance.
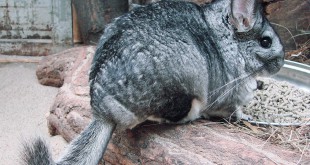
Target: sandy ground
(24, 104)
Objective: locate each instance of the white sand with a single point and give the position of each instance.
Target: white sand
(24, 104)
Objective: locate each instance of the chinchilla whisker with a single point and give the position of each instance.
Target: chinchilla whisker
(234, 80)
(241, 77)
(225, 93)
(240, 80)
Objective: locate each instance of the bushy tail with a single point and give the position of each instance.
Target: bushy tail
(36, 153)
(86, 149)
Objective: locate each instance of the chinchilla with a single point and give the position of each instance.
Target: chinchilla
(172, 61)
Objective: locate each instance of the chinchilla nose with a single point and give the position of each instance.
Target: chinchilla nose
(279, 56)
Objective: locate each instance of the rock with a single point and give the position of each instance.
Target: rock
(70, 112)
(200, 142)
(52, 69)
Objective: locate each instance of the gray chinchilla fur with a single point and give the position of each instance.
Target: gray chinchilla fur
(172, 61)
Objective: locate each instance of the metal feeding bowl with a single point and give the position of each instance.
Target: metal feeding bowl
(284, 99)
(296, 73)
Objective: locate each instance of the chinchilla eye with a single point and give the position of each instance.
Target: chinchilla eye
(265, 42)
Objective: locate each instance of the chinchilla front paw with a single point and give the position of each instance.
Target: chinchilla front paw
(245, 117)
(239, 115)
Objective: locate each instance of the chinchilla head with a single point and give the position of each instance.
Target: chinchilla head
(259, 48)
(258, 42)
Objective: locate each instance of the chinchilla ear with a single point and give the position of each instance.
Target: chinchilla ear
(243, 14)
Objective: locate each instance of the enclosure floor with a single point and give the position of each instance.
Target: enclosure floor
(24, 104)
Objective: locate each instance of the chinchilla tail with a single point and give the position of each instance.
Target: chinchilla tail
(36, 153)
(87, 148)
